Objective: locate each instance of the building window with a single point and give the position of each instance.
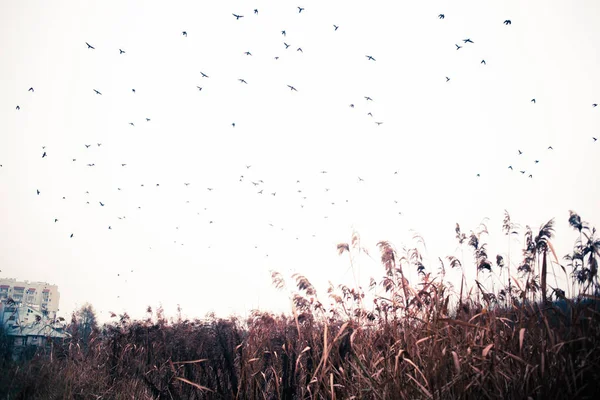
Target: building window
(3, 292)
(45, 297)
(18, 294)
(30, 296)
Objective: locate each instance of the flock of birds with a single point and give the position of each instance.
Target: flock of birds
(245, 175)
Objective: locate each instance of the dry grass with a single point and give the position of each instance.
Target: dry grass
(408, 343)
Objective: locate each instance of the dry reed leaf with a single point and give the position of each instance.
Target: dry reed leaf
(521, 337)
(307, 348)
(331, 386)
(408, 360)
(487, 349)
(195, 384)
(463, 323)
(423, 389)
(423, 339)
(253, 359)
(456, 362)
(191, 362)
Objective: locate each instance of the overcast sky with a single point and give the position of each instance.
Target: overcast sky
(422, 161)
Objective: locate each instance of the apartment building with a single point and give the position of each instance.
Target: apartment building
(40, 296)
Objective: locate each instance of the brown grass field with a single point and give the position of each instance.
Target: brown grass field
(397, 340)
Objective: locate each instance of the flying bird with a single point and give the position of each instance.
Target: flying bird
(507, 22)
(441, 16)
(97, 92)
(510, 167)
(248, 53)
(468, 41)
(300, 10)
(255, 11)
(38, 192)
(133, 90)
(71, 235)
(101, 204)
(594, 105)
(335, 27)
(550, 148)
(238, 16)
(44, 155)
(447, 79)
(478, 175)
(595, 139)
(18, 108)
(199, 88)
(203, 74)
(90, 46)
(537, 161)
(292, 88)
(30, 90)
(522, 172)
(483, 62)
(286, 45)
(87, 146)
(121, 51)
(283, 33)
(131, 123)
(299, 49)
(533, 101)
(368, 98)
(531, 176)
(458, 47)
(243, 81)
(184, 33)
(379, 123)
(370, 58)
(520, 152)
(147, 119)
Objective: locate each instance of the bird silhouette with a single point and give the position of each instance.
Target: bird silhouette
(441, 16)
(248, 53)
(522, 172)
(595, 139)
(131, 123)
(122, 165)
(44, 155)
(133, 90)
(378, 123)
(184, 33)
(243, 81)
(351, 105)
(292, 88)
(520, 152)
(233, 124)
(121, 51)
(55, 220)
(458, 47)
(199, 88)
(447, 79)
(203, 74)
(30, 90)
(531, 176)
(300, 49)
(370, 58)
(468, 41)
(550, 148)
(248, 166)
(533, 101)
(18, 108)
(360, 179)
(507, 22)
(483, 62)
(510, 167)
(537, 161)
(238, 16)
(335, 27)
(210, 189)
(38, 192)
(283, 33)
(71, 235)
(97, 92)
(300, 10)
(368, 98)
(260, 191)
(478, 175)
(90, 46)
(286, 45)
(255, 11)
(101, 204)
(87, 146)
(147, 119)
(595, 105)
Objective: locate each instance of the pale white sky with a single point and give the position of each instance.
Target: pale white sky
(438, 135)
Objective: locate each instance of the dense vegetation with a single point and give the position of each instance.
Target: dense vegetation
(394, 341)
